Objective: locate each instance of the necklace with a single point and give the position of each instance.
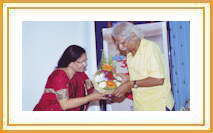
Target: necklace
(68, 85)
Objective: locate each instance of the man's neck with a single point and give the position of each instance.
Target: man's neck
(136, 47)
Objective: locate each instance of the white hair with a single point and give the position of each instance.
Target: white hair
(124, 29)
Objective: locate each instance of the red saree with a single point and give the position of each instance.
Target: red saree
(59, 86)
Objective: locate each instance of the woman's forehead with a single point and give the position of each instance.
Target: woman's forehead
(83, 56)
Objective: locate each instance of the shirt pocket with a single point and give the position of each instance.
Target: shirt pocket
(139, 67)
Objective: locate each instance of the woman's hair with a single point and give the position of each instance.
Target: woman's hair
(124, 29)
(71, 54)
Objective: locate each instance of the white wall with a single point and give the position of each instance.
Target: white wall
(43, 44)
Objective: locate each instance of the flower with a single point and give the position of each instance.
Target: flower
(113, 70)
(119, 78)
(186, 106)
(109, 76)
(97, 78)
(101, 77)
(102, 84)
(110, 84)
(107, 67)
(118, 83)
(105, 79)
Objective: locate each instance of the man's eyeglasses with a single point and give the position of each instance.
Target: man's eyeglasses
(122, 42)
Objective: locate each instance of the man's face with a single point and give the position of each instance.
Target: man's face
(125, 44)
(121, 43)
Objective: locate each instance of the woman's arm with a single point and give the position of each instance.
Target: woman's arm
(76, 102)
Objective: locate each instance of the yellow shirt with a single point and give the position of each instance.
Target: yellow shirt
(149, 62)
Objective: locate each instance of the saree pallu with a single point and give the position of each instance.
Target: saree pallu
(59, 86)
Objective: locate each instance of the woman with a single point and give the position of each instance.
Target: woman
(68, 87)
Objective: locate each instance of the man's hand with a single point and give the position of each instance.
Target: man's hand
(123, 89)
(124, 77)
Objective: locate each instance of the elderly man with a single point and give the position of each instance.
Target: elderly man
(147, 77)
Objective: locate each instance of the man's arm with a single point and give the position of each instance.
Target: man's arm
(147, 82)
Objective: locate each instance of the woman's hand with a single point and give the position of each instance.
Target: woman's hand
(124, 77)
(76, 102)
(96, 96)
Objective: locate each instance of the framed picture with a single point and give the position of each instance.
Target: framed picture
(16, 15)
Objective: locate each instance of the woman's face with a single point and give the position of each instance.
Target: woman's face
(80, 64)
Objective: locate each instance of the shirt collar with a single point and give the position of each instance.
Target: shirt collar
(138, 50)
